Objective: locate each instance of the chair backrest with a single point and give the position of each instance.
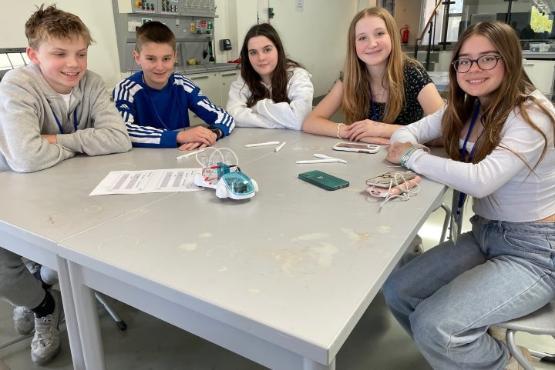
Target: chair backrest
(11, 58)
(456, 219)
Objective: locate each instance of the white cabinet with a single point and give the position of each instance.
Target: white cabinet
(226, 79)
(215, 85)
(210, 86)
(541, 72)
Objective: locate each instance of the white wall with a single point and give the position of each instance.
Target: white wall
(408, 12)
(97, 15)
(315, 36)
(363, 4)
(225, 27)
(13, 24)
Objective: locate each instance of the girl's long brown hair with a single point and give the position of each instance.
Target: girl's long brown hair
(280, 76)
(357, 93)
(514, 92)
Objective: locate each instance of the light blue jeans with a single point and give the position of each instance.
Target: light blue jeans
(447, 297)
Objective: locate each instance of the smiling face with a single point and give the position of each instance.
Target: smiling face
(263, 56)
(62, 62)
(372, 41)
(477, 82)
(157, 62)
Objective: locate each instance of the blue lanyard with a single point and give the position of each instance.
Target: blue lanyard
(60, 125)
(464, 153)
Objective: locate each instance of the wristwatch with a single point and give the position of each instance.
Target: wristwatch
(217, 131)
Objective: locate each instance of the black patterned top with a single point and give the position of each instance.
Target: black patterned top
(416, 78)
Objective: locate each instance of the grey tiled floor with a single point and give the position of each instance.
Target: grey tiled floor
(377, 342)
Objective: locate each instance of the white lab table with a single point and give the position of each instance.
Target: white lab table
(281, 279)
(39, 210)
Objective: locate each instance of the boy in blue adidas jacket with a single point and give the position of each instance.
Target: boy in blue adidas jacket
(154, 102)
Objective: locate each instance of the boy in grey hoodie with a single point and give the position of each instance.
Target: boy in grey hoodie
(50, 110)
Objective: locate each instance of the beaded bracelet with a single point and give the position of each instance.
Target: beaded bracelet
(338, 129)
(406, 155)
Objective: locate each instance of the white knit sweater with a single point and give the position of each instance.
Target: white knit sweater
(267, 114)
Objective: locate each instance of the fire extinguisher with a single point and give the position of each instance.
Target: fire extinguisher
(405, 32)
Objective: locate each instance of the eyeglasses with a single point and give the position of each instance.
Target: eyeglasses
(485, 63)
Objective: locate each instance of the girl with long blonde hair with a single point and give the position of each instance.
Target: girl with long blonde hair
(382, 88)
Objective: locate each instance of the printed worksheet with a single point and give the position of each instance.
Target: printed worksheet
(148, 181)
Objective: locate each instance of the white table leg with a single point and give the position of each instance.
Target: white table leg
(244, 343)
(71, 317)
(87, 318)
(311, 365)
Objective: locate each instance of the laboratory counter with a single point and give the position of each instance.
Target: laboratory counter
(202, 68)
(210, 67)
(537, 55)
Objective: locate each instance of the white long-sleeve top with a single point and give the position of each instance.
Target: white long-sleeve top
(502, 185)
(267, 114)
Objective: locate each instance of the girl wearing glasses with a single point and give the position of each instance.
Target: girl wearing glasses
(273, 91)
(382, 88)
(498, 131)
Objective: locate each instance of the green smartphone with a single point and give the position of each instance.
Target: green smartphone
(323, 180)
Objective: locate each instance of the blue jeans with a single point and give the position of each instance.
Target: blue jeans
(447, 297)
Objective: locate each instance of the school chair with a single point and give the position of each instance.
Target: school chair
(11, 58)
(51, 277)
(540, 322)
(446, 221)
(455, 219)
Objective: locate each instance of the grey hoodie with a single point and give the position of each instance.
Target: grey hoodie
(29, 108)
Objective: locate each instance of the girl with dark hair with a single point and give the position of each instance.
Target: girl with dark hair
(498, 131)
(382, 87)
(273, 91)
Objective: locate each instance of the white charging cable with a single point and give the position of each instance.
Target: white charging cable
(212, 156)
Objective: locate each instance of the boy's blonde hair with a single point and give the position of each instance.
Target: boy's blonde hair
(51, 22)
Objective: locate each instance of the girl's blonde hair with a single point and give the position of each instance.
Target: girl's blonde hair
(514, 92)
(357, 94)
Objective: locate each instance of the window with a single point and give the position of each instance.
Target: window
(453, 21)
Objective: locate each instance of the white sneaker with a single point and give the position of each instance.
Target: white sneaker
(23, 320)
(46, 342)
(32, 266)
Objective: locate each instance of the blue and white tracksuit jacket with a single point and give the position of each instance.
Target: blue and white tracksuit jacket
(154, 117)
